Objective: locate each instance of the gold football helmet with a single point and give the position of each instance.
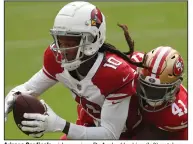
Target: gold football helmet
(160, 80)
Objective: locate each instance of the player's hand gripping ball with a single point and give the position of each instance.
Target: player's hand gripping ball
(26, 104)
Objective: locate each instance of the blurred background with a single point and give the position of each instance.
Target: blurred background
(27, 26)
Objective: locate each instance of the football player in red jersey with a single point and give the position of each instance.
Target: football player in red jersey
(100, 80)
(163, 99)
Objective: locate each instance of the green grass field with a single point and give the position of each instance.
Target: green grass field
(27, 35)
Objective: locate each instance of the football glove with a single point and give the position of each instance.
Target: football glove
(38, 124)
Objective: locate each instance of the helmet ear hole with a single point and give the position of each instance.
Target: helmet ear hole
(95, 39)
(173, 57)
(152, 51)
(170, 75)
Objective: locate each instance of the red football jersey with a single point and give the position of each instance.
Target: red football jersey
(173, 118)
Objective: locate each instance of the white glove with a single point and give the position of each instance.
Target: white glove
(48, 122)
(10, 99)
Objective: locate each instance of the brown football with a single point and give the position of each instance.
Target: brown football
(26, 104)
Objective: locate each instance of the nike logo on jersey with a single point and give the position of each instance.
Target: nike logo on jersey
(115, 102)
(183, 123)
(124, 79)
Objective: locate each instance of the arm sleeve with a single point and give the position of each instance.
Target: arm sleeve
(113, 119)
(38, 83)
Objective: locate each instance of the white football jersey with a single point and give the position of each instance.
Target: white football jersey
(105, 93)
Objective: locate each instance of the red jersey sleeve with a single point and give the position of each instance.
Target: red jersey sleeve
(51, 67)
(136, 57)
(173, 118)
(178, 112)
(114, 78)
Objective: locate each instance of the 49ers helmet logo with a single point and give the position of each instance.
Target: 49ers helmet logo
(96, 17)
(178, 66)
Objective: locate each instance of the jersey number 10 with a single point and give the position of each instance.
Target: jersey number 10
(112, 62)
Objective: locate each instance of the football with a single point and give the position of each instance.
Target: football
(25, 104)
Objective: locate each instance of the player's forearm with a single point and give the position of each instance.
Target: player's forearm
(39, 83)
(81, 132)
(74, 131)
(20, 88)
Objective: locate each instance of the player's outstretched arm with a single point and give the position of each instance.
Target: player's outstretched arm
(34, 87)
(113, 118)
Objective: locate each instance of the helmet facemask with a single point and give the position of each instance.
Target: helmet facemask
(158, 96)
(70, 55)
(159, 81)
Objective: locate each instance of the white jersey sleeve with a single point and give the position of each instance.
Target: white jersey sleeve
(114, 115)
(38, 83)
(113, 118)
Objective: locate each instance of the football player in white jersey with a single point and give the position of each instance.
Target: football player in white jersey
(100, 80)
